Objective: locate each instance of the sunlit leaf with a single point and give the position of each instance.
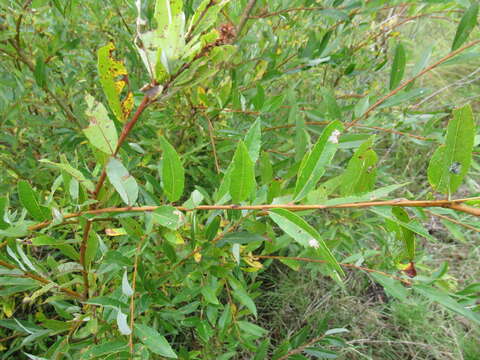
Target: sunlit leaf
(101, 131)
(304, 234)
(122, 181)
(315, 162)
(451, 162)
(242, 180)
(173, 174)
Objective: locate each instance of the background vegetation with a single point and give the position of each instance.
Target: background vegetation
(126, 221)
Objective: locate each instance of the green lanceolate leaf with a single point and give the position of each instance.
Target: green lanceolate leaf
(242, 181)
(314, 163)
(360, 175)
(155, 342)
(404, 234)
(29, 199)
(467, 24)
(253, 140)
(167, 216)
(451, 162)
(398, 66)
(173, 174)
(445, 300)
(122, 181)
(113, 79)
(101, 132)
(304, 234)
(76, 174)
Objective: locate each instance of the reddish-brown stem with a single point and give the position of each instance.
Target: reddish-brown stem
(125, 132)
(456, 204)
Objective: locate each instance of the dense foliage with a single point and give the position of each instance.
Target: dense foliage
(164, 161)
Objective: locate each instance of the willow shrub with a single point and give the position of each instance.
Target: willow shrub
(142, 228)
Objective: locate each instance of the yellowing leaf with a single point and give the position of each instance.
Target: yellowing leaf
(113, 77)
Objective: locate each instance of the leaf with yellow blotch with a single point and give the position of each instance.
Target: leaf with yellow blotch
(113, 77)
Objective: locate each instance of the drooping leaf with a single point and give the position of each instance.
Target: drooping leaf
(126, 288)
(392, 287)
(398, 66)
(467, 24)
(314, 163)
(302, 232)
(451, 162)
(122, 323)
(155, 342)
(241, 295)
(101, 132)
(113, 75)
(414, 226)
(122, 181)
(404, 234)
(360, 175)
(242, 180)
(29, 199)
(173, 174)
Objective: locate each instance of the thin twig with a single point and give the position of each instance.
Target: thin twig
(132, 299)
(212, 141)
(456, 204)
(351, 266)
(412, 79)
(470, 227)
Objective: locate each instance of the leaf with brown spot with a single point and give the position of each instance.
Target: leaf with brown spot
(113, 77)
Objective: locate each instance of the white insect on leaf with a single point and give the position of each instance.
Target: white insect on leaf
(334, 137)
(313, 243)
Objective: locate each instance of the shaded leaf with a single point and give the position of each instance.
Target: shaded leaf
(29, 199)
(398, 66)
(173, 174)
